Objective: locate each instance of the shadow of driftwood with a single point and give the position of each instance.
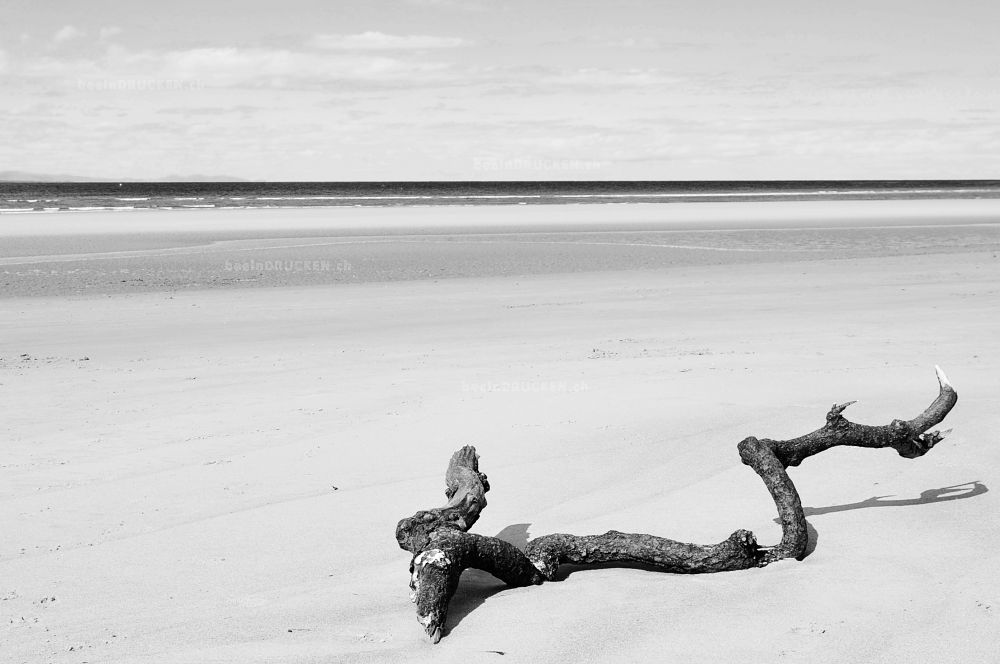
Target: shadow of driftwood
(813, 535)
(477, 586)
(516, 534)
(567, 569)
(954, 492)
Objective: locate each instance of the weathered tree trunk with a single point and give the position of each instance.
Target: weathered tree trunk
(738, 551)
(442, 548)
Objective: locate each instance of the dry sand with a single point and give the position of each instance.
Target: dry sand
(214, 475)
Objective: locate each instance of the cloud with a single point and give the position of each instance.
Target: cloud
(545, 81)
(379, 41)
(209, 111)
(274, 67)
(121, 68)
(458, 5)
(610, 79)
(650, 44)
(109, 31)
(67, 33)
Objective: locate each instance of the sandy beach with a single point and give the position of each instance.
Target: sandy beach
(206, 463)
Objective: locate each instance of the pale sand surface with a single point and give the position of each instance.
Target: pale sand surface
(174, 491)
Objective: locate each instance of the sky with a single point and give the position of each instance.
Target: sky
(501, 89)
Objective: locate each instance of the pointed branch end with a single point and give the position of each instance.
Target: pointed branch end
(942, 378)
(432, 626)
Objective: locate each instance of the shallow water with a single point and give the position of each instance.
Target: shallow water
(98, 264)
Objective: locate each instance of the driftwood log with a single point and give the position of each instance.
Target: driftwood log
(443, 548)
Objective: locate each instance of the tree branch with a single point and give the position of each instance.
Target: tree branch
(465, 490)
(907, 437)
(434, 572)
(770, 458)
(442, 549)
(738, 551)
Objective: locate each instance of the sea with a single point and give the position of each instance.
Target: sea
(36, 197)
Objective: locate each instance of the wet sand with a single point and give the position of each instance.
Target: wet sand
(170, 251)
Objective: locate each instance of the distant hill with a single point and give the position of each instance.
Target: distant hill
(198, 177)
(26, 176)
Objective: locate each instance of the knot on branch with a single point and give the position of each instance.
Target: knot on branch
(743, 544)
(910, 443)
(751, 448)
(410, 535)
(835, 419)
(413, 533)
(921, 444)
(544, 553)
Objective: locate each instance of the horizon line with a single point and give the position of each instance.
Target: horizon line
(903, 181)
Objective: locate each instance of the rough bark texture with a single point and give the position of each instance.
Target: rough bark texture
(759, 455)
(465, 489)
(738, 551)
(434, 573)
(442, 549)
